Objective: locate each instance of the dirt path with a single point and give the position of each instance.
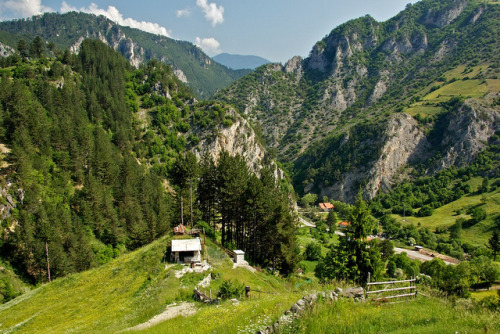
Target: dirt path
(185, 309)
(245, 265)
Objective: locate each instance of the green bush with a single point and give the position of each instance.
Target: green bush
(230, 289)
(313, 251)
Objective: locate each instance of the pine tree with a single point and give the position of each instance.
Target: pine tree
(494, 243)
(331, 221)
(351, 259)
(22, 47)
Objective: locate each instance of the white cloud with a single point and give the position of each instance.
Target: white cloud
(213, 13)
(114, 14)
(25, 7)
(183, 12)
(209, 45)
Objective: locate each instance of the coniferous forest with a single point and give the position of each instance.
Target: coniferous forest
(89, 179)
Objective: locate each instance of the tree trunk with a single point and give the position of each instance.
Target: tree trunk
(182, 209)
(191, 200)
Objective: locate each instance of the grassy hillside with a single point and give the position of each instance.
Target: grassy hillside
(424, 315)
(135, 287)
(446, 215)
(467, 81)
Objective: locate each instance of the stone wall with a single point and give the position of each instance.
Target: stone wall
(306, 302)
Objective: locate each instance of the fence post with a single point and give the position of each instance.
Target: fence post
(367, 286)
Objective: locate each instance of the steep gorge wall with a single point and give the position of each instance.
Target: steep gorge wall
(465, 133)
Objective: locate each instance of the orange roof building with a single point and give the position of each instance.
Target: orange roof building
(344, 224)
(326, 206)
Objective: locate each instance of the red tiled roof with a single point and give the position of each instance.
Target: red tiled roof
(344, 224)
(326, 206)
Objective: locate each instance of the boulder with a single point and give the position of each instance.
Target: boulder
(296, 308)
(353, 292)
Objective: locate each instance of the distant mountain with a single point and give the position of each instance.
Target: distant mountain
(190, 63)
(239, 62)
(418, 92)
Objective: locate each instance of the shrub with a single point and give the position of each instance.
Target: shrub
(425, 211)
(230, 289)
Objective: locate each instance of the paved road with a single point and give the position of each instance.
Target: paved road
(305, 222)
(416, 255)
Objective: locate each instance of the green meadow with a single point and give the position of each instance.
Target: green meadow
(135, 287)
(423, 315)
(446, 215)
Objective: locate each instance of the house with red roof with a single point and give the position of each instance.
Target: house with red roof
(326, 207)
(343, 225)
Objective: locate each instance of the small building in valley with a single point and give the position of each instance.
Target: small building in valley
(186, 250)
(326, 207)
(343, 225)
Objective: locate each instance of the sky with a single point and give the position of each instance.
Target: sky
(274, 29)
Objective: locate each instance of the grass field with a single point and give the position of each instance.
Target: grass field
(483, 294)
(468, 84)
(465, 88)
(446, 216)
(423, 110)
(137, 286)
(423, 315)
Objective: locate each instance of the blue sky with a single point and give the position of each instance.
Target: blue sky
(273, 29)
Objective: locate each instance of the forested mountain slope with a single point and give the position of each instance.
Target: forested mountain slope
(91, 148)
(67, 31)
(419, 90)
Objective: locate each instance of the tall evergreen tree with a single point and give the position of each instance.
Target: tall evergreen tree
(352, 259)
(494, 243)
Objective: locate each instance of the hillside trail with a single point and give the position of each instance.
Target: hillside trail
(185, 309)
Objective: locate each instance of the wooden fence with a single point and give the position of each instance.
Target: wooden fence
(391, 290)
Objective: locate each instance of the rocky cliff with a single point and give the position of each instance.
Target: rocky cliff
(238, 138)
(367, 71)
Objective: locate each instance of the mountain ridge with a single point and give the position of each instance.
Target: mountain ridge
(68, 31)
(239, 62)
(363, 72)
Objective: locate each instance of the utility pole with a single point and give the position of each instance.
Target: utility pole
(48, 262)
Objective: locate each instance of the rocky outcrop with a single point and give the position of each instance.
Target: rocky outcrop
(404, 141)
(445, 16)
(238, 138)
(467, 133)
(180, 75)
(5, 50)
(294, 65)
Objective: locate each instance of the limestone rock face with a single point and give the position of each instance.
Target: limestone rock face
(467, 133)
(180, 75)
(445, 16)
(239, 138)
(404, 141)
(6, 50)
